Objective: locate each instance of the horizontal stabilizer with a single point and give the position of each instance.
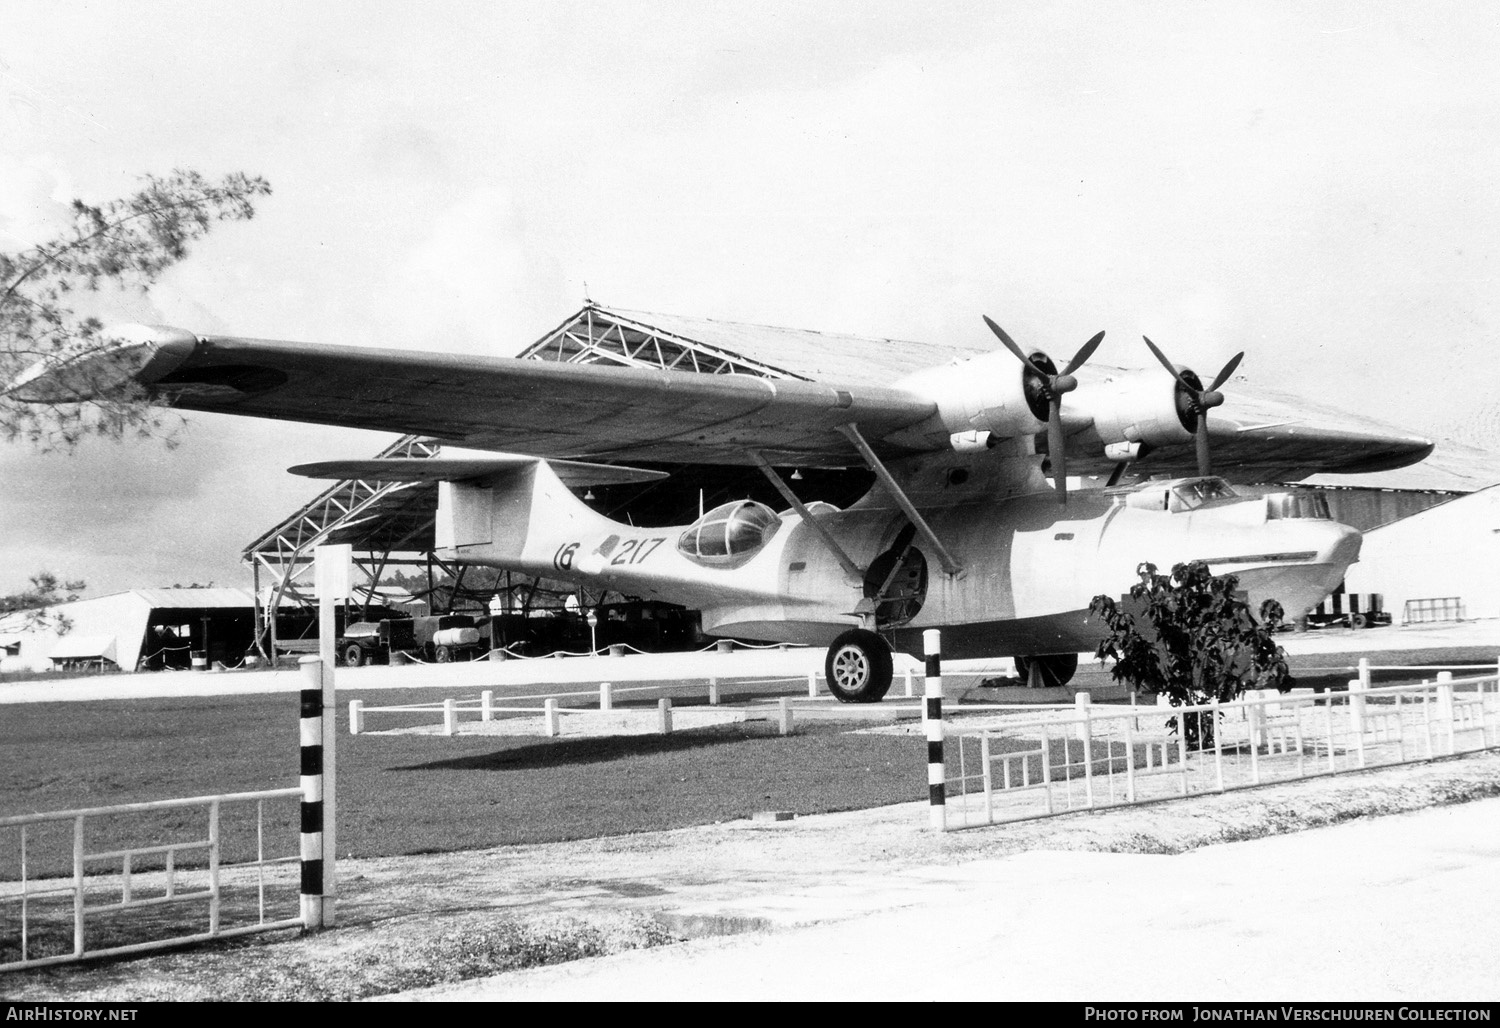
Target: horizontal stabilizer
(573, 473)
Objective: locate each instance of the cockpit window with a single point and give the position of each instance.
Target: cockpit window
(1195, 492)
(729, 533)
(1180, 494)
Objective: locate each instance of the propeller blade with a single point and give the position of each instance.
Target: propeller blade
(1010, 344)
(1168, 365)
(1084, 353)
(1223, 376)
(1203, 400)
(1057, 449)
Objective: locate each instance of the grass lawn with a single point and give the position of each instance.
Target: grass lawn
(402, 794)
(405, 794)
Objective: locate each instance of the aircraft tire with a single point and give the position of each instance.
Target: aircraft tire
(444, 655)
(1055, 668)
(858, 667)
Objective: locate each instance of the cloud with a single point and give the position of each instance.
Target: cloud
(135, 513)
(470, 283)
(33, 202)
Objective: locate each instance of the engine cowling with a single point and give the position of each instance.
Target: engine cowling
(989, 395)
(1139, 407)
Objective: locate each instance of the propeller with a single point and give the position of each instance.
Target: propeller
(1054, 385)
(1202, 400)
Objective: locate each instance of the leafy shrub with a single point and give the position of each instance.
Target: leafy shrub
(1190, 637)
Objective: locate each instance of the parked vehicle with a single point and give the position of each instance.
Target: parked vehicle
(448, 637)
(1350, 610)
(441, 638)
(371, 642)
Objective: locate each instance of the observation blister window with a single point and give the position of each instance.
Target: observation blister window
(729, 533)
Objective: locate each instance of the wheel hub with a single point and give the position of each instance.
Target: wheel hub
(851, 668)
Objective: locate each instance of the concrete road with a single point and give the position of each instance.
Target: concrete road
(1394, 908)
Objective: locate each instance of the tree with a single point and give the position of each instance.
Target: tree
(127, 243)
(1188, 636)
(31, 606)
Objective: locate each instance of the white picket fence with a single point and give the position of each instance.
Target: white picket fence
(1016, 767)
(551, 707)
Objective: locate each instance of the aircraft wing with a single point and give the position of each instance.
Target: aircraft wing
(617, 414)
(1261, 435)
(494, 403)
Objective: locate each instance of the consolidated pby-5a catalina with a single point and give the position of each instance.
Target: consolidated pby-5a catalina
(962, 529)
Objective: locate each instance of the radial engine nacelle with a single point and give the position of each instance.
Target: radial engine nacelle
(991, 395)
(1139, 407)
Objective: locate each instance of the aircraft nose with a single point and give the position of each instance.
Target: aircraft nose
(1338, 544)
(1326, 549)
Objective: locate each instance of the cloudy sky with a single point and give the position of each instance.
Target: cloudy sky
(1315, 184)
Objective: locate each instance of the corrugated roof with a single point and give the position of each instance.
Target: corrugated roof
(864, 360)
(211, 598)
(804, 352)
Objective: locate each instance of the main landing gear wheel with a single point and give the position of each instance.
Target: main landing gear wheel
(858, 667)
(1046, 670)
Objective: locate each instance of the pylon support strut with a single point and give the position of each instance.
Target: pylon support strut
(852, 433)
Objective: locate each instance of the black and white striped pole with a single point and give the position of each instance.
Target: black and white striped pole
(333, 567)
(932, 723)
(317, 800)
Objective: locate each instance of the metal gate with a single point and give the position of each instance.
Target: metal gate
(214, 880)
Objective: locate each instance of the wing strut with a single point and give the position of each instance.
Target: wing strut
(851, 432)
(850, 568)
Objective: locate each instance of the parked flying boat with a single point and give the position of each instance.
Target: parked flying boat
(962, 529)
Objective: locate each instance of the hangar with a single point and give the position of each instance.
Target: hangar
(152, 629)
(169, 629)
(1438, 565)
(391, 525)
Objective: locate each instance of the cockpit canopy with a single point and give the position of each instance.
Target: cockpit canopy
(1181, 494)
(729, 534)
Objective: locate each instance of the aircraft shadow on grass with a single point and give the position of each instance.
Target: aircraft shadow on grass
(595, 749)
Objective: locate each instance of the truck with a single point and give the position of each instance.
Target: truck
(440, 637)
(371, 642)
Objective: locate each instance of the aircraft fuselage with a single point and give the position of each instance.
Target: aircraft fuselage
(1029, 566)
